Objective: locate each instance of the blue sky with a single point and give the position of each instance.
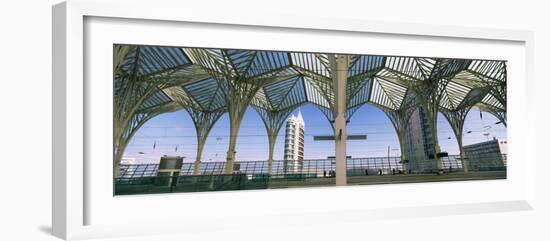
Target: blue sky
(176, 129)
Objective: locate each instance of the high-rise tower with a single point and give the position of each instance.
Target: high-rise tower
(418, 142)
(294, 143)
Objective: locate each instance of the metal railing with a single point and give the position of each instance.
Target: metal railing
(143, 178)
(191, 183)
(321, 167)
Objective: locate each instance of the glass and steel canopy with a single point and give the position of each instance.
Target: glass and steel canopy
(201, 77)
(150, 80)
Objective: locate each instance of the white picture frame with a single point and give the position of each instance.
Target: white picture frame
(72, 192)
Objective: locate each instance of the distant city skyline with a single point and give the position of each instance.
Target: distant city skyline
(174, 134)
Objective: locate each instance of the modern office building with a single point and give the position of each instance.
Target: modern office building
(419, 146)
(487, 155)
(294, 143)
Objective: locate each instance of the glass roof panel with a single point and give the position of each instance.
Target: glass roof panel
(311, 62)
(278, 92)
(454, 94)
(490, 100)
(291, 78)
(493, 69)
(360, 64)
(296, 96)
(380, 97)
(406, 66)
(153, 59)
(313, 95)
(208, 93)
(157, 99)
(267, 61)
(241, 60)
(360, 95)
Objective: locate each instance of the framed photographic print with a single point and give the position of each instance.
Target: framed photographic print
(234, 118)
(229, 93)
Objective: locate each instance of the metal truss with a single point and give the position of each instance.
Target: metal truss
(456, 120)
(273, 121)
(140, 75)
(210, 82)
(138, 119)
(400, 120)
(203, 121)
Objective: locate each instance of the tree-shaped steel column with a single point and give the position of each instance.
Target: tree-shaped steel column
(238, 90)
(456, 120)
(238, 97)
(431, 91)
(456, 109)
(141, 74)
(203, 109)
(129, 96)
(273, 121)
(400, 121)
(241, 74)
(494, 75)
(138, 119)
(130, 93)
(318, 80)
(203, 121)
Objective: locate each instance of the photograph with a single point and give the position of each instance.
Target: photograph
(192, 119)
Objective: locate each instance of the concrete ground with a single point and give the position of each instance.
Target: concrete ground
(389, 179)
(277, 183)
